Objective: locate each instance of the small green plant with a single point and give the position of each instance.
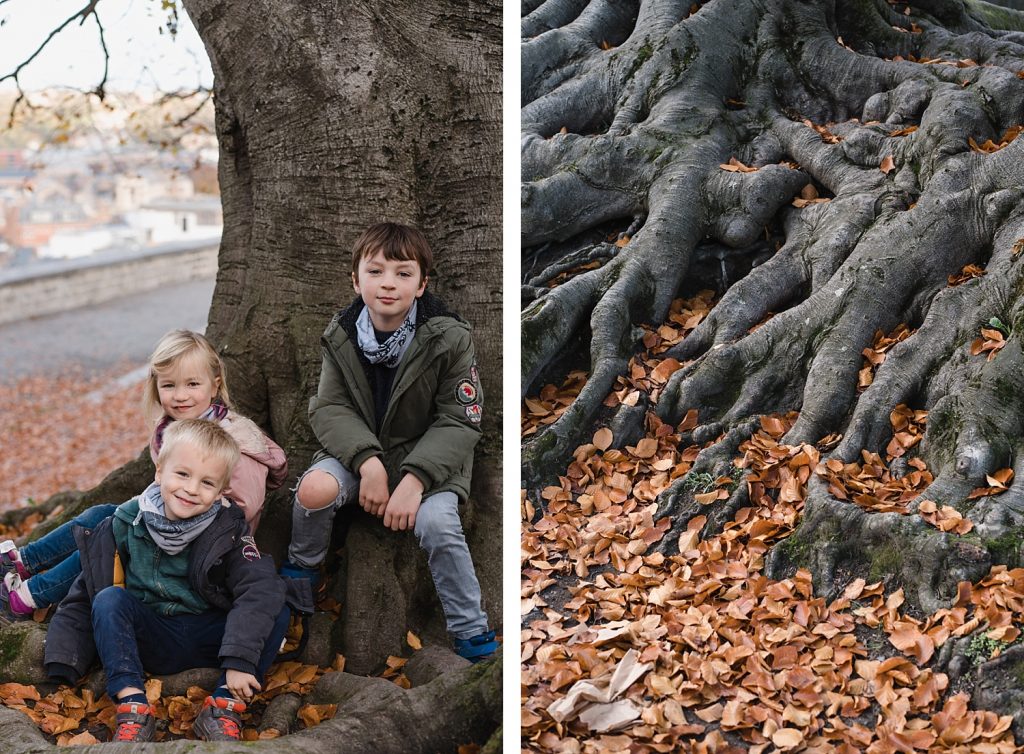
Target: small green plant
(997, 323)
(702, 482)
(705, 482)
(981, 647)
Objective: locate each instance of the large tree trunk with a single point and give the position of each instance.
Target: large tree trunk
(332, 116)
(631, 110)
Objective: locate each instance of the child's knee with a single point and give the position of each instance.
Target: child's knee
(317, 489)
(109, 600)
(435, 525)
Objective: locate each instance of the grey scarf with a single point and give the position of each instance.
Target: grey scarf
(390, 352)
(171, 536)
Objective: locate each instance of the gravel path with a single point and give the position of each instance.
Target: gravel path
(97, 338)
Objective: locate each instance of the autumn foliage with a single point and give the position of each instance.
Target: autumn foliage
(66, 433)
(625, 648)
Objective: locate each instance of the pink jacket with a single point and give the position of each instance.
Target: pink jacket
(261, 468)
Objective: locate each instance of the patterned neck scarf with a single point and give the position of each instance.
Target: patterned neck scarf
(215, 413)
(390, 352)
(171, 536)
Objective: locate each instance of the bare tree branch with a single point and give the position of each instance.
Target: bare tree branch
(83, 14)
(100, 89)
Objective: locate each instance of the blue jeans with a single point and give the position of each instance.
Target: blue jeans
(130, 636)
(57, 555)
(438, 530)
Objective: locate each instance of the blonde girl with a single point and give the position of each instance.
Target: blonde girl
(186, 381)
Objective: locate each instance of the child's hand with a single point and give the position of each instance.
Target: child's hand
(373, 486)
(242, 685)
(401, 511)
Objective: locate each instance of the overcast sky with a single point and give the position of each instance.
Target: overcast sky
(141, 58)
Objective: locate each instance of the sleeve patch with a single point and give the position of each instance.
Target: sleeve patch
(474, 413)
(249, 549)
(466, 393)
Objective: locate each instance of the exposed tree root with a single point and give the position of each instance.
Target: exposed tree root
(897, 134)
(375, 717)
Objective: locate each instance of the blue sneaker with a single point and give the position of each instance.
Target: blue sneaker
(478, 648)
(292, 571)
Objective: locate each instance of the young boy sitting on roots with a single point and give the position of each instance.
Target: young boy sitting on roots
(173, 581)
(398, 413)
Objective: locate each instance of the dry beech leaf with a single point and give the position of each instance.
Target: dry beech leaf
(735, 166)
(646, 448)
(887, 164)
(413, 640)
(787, 738)
(603, 438)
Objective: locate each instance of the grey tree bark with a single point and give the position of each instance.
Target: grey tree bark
(630, 107)
(331, 116)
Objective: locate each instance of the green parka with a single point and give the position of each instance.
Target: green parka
(432, 421)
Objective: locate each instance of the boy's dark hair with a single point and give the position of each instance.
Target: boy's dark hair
(397, 242)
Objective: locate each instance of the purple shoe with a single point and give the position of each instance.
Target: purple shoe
(13, 607)
(10, 561)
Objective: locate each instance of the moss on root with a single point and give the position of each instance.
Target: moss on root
(12, 644)
(1005, 549)
(796, 549)
(885, 560)
(644, 54)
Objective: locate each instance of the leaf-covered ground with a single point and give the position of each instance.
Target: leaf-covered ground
(72, 717)
(66, 432)
(627, 648)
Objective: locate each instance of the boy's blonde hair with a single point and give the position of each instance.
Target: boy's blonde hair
(174, 346)
(397, 243)
(205, 436)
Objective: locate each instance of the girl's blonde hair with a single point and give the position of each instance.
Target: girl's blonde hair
(174, 346)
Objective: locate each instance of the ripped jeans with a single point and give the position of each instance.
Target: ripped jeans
(438, 530)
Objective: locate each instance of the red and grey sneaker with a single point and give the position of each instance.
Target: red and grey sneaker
(135, 722)
(219, 720)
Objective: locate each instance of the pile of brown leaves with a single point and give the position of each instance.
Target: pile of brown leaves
(989, 146)
(990, 342)
(646, 372)
(968, 272)
(874, 356)
(700, 651)
(551, 403)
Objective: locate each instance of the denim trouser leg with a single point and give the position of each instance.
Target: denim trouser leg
(439, 531)
(48, 551)
(51, 587)
(130, 636)
(58, 552)
(311, 529)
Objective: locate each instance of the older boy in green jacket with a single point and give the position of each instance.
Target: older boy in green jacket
(398, 413)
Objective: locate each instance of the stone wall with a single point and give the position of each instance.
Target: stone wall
(47, 288)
